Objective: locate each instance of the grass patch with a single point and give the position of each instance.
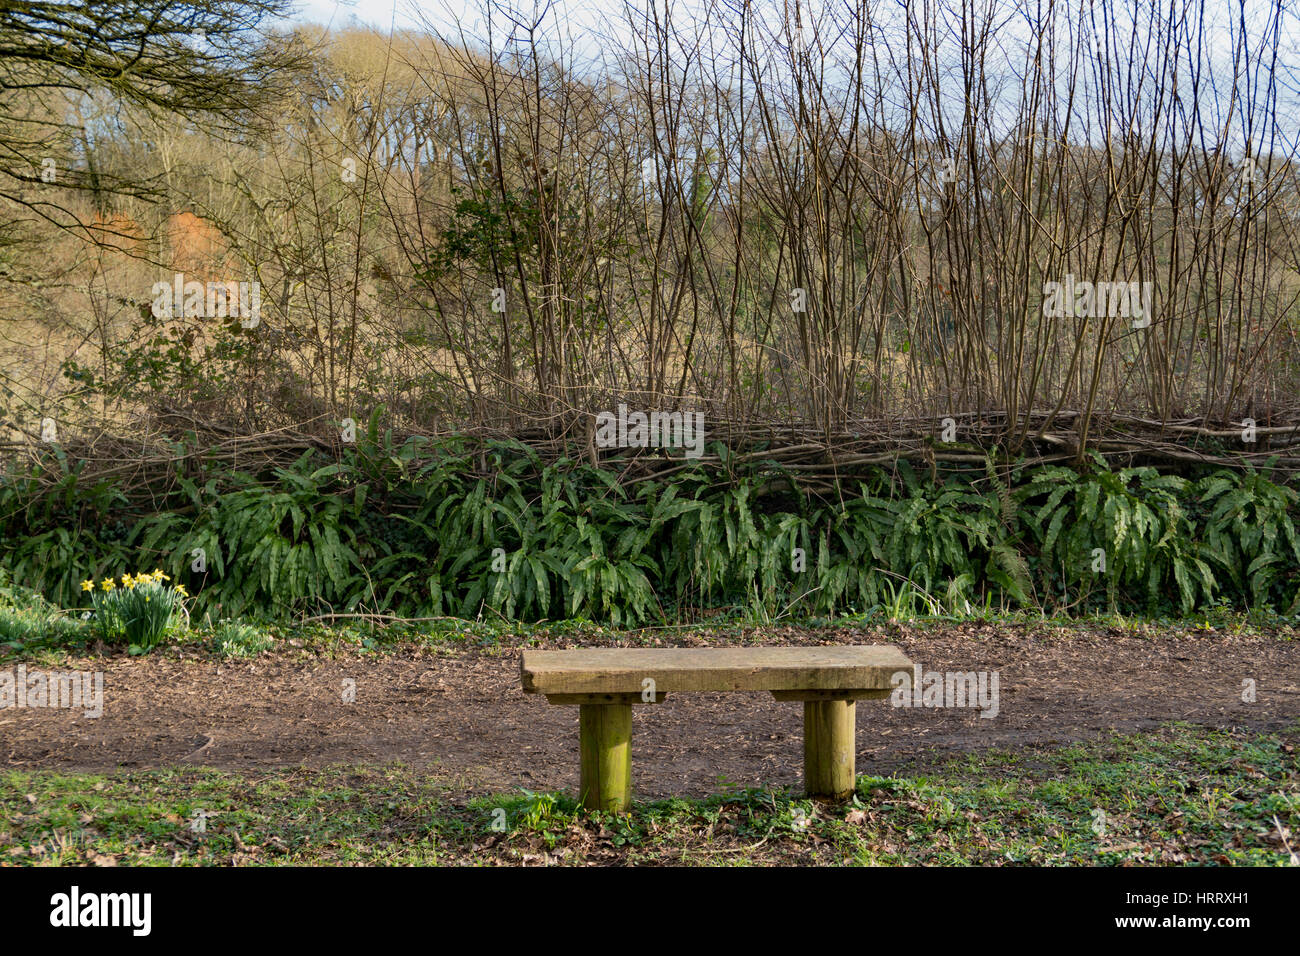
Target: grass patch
(1180, 795)
(235, 639)
(29, 623)
(38, 631)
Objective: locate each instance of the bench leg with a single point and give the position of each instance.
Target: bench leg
(829, 749)
(605, 739)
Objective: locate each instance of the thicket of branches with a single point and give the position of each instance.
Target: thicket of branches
(827, 228)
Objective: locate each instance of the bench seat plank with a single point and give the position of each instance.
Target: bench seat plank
(673, 669)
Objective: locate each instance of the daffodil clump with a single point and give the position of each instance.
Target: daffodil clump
(142, 612)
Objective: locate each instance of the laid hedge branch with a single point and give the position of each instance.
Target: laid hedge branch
(175, 445)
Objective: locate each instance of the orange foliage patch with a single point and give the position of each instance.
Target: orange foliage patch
(197, 246)
(118, 232)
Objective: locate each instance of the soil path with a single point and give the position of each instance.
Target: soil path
(461, 715)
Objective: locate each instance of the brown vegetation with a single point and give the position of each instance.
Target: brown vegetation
(830, 243)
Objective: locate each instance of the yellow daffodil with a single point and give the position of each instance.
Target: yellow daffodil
(128, 582)
(159, 576)
(107, 584)
(180, 589)
(87, 585)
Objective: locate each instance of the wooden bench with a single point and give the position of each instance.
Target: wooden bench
(604, 683)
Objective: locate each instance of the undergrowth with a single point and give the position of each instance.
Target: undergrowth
(434, 530)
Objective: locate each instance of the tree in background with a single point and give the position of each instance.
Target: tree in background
(85, 90)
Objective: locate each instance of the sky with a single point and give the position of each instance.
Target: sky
(444, 13)
(377, 13)
(583, 22)
(586, 27)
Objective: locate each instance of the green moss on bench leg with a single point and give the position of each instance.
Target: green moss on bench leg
(605, 732)
(829, 749)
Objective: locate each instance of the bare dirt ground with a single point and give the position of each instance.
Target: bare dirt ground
(460, 713)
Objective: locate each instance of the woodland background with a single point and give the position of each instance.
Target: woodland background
(651, 215)
(828, 229)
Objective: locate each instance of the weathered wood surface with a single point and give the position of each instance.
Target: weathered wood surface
(828, 694)
(829, 754)
(605, 746)
(622, 670)
(580, 699)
